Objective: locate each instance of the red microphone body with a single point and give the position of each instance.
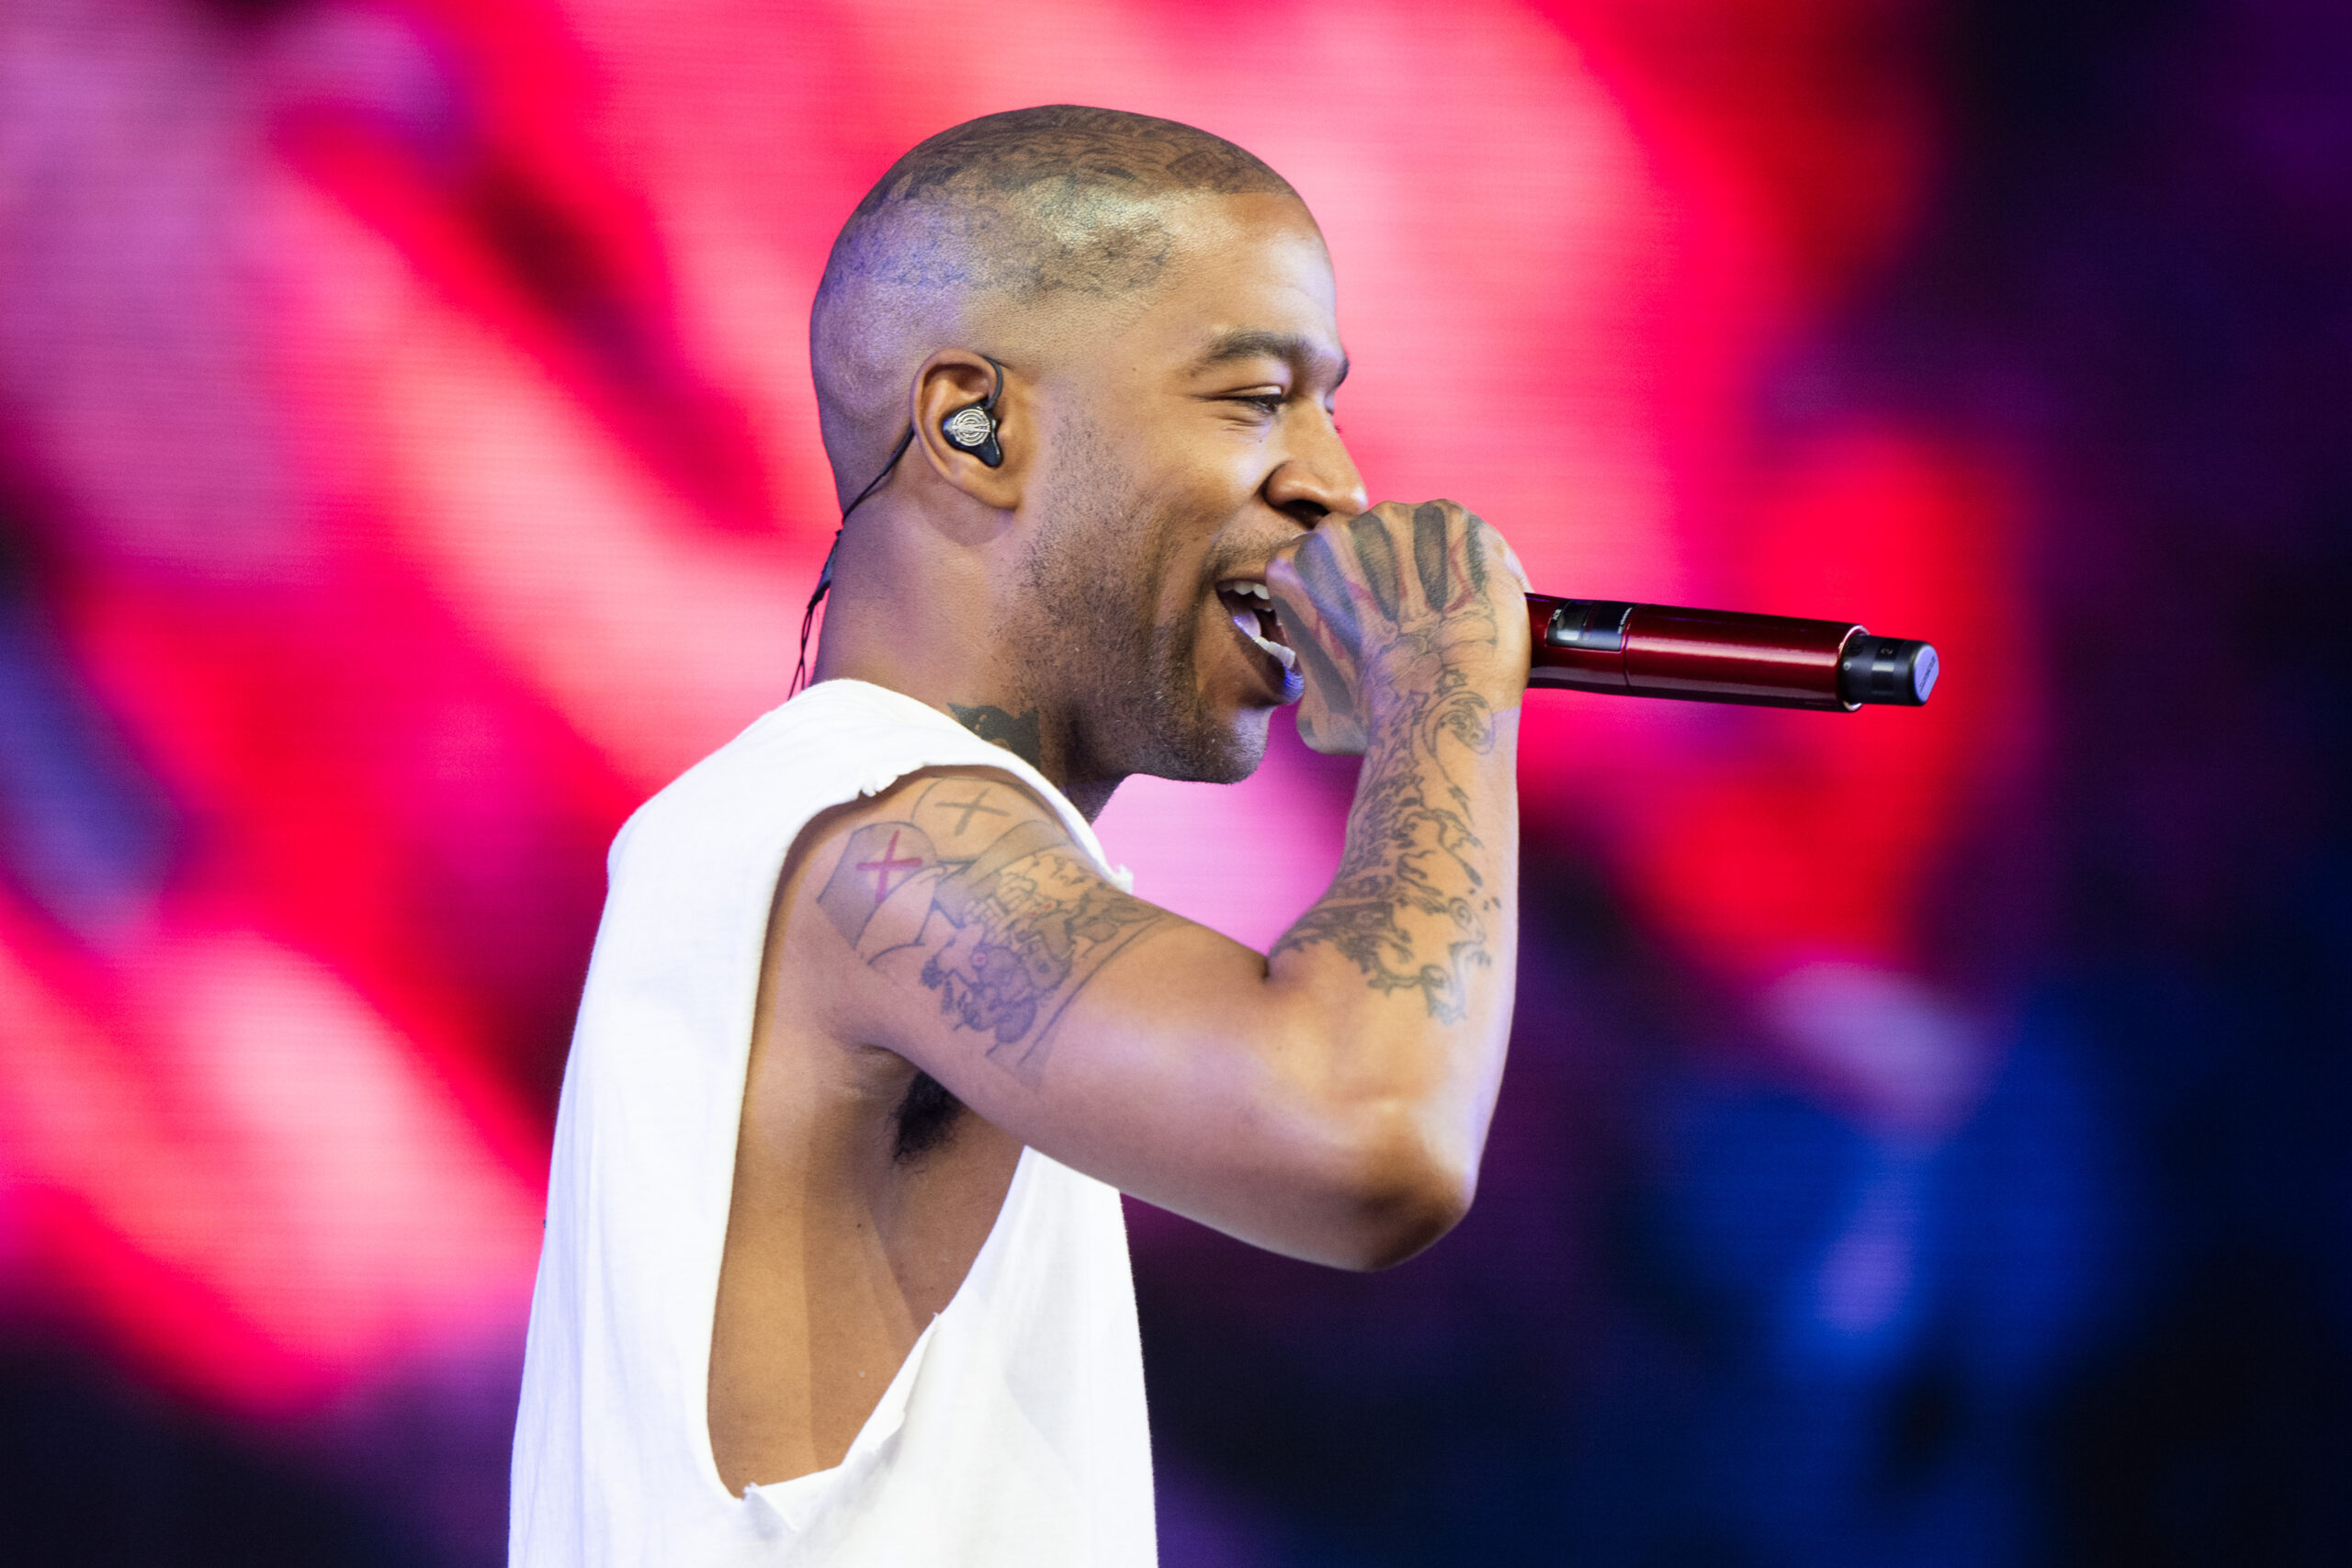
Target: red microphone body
(1722, 655)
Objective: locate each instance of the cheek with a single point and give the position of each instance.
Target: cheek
(1217, 492)
(1210, 460)
(1190, 490)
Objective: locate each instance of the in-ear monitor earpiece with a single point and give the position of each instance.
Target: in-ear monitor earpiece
(972, 428)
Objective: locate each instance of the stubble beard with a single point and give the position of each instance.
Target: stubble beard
(1128, 682)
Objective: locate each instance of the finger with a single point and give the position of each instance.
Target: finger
(1333, 735)
(1434, 555)
(1327, 671)
(1329, 690)
(1376, 558)
(1330, 596)
(1502, 549)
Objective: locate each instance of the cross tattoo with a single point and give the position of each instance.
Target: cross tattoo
(883, 867)
(977, 803)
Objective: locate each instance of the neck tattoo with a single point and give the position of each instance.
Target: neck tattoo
(998, 728)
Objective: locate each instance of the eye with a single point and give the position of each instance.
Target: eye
(1267, 401)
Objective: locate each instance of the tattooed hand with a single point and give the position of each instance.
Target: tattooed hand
(1400, 604)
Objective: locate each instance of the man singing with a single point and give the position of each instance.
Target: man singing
(874, 1037)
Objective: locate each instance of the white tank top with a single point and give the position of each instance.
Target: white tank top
(1014, 1432)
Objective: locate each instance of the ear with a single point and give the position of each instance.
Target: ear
(955, 378)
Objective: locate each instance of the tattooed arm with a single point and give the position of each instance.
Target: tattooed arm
(1004, 923)
(1329, 1100)
(1411, 663)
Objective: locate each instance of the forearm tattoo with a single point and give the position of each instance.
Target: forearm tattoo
(1411, 907)
(979, 900)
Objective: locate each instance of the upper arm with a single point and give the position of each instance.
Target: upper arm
(953, 920)
(968, 923)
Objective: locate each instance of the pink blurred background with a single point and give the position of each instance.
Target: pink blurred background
(408, 463)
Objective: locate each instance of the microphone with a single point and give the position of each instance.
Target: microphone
(1722, 655)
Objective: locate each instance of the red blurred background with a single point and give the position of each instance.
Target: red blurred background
(409, 464)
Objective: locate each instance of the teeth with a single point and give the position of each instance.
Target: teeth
(1289, 659)
(1256, 595)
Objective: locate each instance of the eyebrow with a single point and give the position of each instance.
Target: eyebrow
(1252, 342)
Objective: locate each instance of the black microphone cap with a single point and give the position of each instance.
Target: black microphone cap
(1889, 669)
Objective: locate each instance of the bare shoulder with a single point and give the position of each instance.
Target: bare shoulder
(953, 914)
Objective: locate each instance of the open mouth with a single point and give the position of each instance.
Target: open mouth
(1252, 609)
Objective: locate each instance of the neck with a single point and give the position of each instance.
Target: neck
(956, 667)
(1026, 735)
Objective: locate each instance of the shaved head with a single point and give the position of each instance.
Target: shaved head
(981, 234)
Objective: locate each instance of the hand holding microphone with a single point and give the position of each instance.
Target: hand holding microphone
(1404, 615)
(1376, 605)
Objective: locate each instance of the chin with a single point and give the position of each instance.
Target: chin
(1212, 751)
(1241, 746)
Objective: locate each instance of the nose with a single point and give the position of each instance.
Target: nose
(1316, 478)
